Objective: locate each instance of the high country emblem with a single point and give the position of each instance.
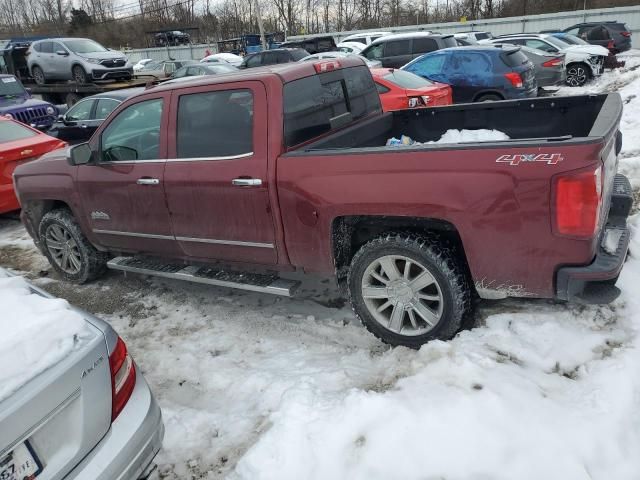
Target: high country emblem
(100, 216)
(548, 158)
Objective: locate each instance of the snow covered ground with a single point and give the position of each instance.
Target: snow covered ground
(37, 333)
(259, 387)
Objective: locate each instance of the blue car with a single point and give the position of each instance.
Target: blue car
(479, 73)
(16, 102)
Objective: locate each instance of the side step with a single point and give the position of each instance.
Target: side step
(265, 283)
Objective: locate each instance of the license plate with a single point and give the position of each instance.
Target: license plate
(20, 464)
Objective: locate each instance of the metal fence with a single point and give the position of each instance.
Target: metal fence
(183, 52)
(529, 23)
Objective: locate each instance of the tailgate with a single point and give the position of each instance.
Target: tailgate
(56, 418)
(606, 126)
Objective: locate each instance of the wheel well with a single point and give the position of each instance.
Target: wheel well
(350, 233)
(35, 210)
(488, 92)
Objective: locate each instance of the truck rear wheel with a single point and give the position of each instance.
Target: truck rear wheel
(408, 289)
(68, 250)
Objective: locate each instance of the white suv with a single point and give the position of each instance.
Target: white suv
(79, 59)
(583, 61)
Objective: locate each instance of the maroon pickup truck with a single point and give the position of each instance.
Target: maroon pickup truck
(233, 179)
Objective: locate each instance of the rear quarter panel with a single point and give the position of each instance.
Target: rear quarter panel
(501, 211)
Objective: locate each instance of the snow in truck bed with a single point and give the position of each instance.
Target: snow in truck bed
(35, 333)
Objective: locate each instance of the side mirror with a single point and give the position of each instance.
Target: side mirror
(28, 90)
(62, 53)
(81, 154)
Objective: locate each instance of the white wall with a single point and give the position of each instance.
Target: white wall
(530, 23)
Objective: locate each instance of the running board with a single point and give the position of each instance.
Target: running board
(264, 283)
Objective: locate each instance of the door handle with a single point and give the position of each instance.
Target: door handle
(246, 182)
(148, 181)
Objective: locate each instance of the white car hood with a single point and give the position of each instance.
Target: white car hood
(587, 50)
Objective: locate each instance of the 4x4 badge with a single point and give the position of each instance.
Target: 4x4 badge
(516, 159)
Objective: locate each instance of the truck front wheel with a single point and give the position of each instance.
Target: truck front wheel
(408, 289)
(68, 250)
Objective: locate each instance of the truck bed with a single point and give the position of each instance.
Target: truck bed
(533, 120)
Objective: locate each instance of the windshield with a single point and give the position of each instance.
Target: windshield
(84, 46)
(557, 42)
(406, 79)
(10, 87)
(573, 40)
(11, 131)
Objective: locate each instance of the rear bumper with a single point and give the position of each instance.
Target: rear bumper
(127, 450)
(595, 283)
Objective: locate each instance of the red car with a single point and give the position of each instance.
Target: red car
(400, 90)
(19, 143)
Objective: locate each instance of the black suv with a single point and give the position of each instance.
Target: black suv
(173, 38)
(272, 57)
(394, 51)
(612, 35)
(313, 45)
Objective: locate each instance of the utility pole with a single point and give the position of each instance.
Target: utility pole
(260, 26)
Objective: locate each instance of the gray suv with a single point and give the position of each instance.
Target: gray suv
(394, 51)
(79, 59)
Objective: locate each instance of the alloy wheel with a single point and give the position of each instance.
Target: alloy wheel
(402, 295)
(63, 249)
(576, 76)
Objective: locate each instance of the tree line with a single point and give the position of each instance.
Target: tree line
(127, 23)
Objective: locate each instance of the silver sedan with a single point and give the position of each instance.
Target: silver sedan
(88, 415)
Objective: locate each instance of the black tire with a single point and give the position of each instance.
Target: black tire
(92, 263)
(578, 74)
(489, 97)
(79, 75)
(38, 75)
(435, 257)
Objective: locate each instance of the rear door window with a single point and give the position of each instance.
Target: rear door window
(215, 124)
(325, 44)
(46, 47)
(320, 103)
(397, 47)
(475, 64)
(11, 131)
(424, 45)
(598, 33)
(270, 58)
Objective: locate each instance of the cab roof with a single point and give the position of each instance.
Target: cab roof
(284, 72)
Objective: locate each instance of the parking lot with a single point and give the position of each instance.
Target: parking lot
(256, 386)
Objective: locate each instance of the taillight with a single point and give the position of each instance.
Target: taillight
(514, 78)
(610, 45)
(577, 203)
(554, 62)
(625, 34)
(326, 66)
(123, 377)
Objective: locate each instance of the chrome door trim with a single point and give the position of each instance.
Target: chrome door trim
(176, 160)
(226, 242)
(133, 234)
(185, 239)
